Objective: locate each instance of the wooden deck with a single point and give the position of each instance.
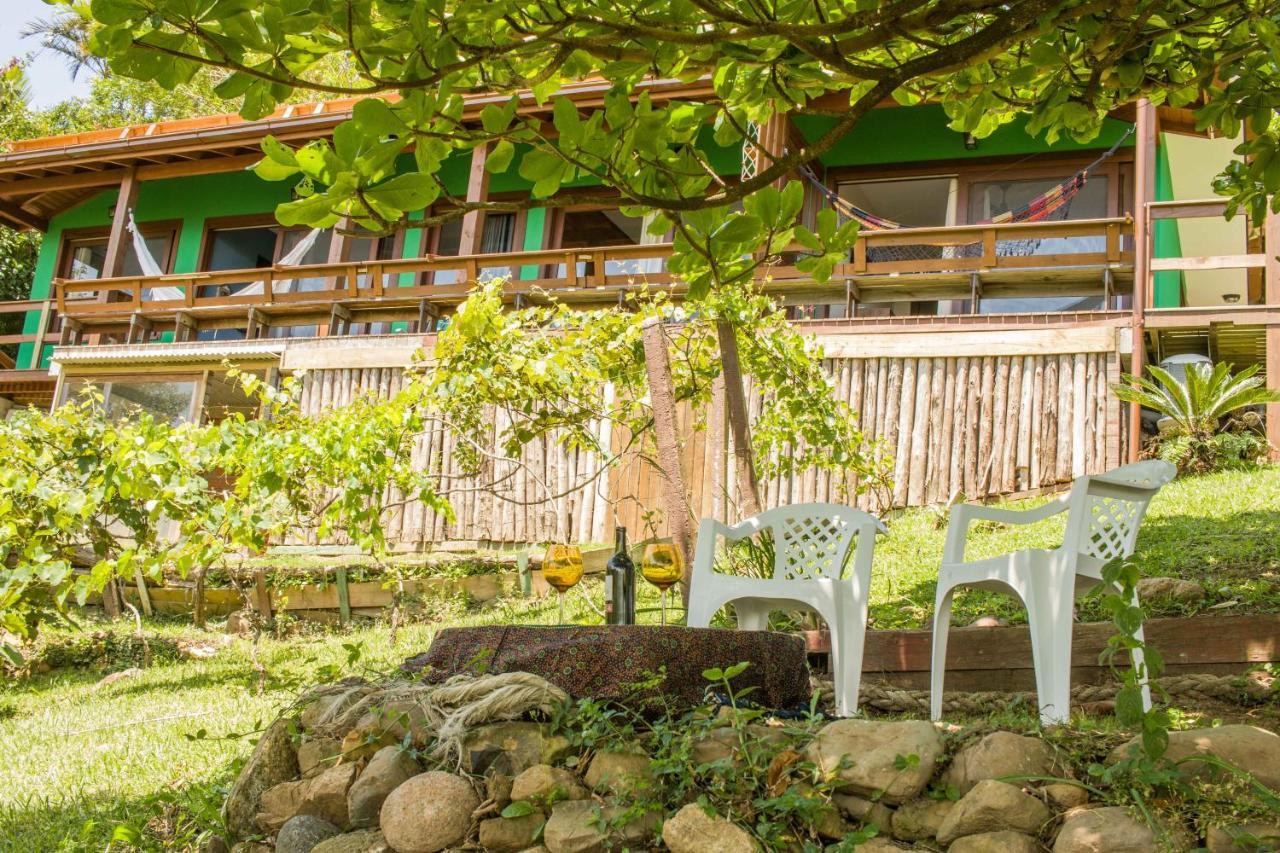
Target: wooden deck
(968, 262)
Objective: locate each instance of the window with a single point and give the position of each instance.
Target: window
(167, 400)
(84, 255)
(604, 227)
(498, 236)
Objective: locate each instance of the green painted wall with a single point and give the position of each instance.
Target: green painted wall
(915, 134)
(1166, 287)
(893, 135)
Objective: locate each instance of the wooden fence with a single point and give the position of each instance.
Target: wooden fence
(978, 424)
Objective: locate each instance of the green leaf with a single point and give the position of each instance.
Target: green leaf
(375, 116)
(500, 157)
(742, 228)
(412, 191)
(519, 808)
(313, 210)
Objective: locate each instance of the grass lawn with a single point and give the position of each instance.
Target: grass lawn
(146, 759)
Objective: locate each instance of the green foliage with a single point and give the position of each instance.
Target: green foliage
(132, 497)
(1208, 395)
(1065, 65)
(1197, 408)
(553, 371)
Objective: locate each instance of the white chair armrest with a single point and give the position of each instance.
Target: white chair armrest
(963, 514)
(708, 530)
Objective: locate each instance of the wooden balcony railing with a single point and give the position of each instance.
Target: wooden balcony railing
(36, 338)
(592, 273)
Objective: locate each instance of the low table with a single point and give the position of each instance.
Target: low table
(604, 662)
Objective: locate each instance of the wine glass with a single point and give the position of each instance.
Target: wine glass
(662, 565)
(562, 568)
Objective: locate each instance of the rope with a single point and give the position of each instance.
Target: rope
(1193, 687)
(444, 711)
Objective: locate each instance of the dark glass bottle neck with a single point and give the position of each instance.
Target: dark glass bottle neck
(620, 539)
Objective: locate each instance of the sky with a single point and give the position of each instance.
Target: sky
(48, 74)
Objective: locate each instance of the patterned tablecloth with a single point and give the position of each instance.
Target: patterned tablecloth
(606, 662)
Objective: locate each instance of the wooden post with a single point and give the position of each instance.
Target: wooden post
(477, 190)
(262, 597)
(1144, 186)
(662, 397)
(1271, 291)
(118, 238)
(770, 144)
(344, 596)
(144, 597)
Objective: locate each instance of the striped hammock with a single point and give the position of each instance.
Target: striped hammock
(1038, 209)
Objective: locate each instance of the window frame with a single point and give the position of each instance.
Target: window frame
(171, 229)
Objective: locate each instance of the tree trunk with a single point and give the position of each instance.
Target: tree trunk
(662, 397)
(744, 465)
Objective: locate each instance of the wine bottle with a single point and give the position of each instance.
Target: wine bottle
(620, 583)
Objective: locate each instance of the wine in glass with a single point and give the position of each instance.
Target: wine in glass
(562, 568)
(662, 565)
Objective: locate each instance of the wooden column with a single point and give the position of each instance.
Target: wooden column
(662, 397)
(1271, 294)
(1144, 187)
(477, 190)
(772, 139)
(118, 239)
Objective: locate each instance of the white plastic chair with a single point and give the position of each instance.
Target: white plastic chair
(811, 542)
(1104, 512)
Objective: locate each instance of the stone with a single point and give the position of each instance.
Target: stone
(573, 828)
(1243, 838)
(278, 804)
(239, 622)
(616, 772)
(497, 789)
(828, 821)
(919, 819)
(1005, 841)
(989, 621)
(1247, 748)
(865, 811)
(998, 755)
(991, 806)
(429, 812)
(878, 845)
(326, 795)
(389, 768)
(722, 744)
(317, 754)
(510, 834)
(1109, 830)
(547, 784)
(303, 833)
(361, 744)
(875, 750)
(395, 721)
(360, 841)
(1064, 796)
(214, 844)
(1170, 589)
(329, 704)
(512, 747)
(691, 830)
(273, 761)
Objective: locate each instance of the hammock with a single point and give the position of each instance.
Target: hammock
(1052, 204)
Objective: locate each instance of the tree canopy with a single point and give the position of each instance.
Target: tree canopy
(1063, 63)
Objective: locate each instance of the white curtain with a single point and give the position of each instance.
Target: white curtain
(148, 264)
(292, 259)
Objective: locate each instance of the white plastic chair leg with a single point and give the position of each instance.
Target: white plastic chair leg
(752, 616)
(1051, 624)
(846, 664)
(938, 666)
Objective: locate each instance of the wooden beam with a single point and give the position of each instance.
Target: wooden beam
(1143, 192)
(184, 327)
(1208, 262)
(428, 314)
(103, 178)
(22, 218)
(339, 319)
(477, 190)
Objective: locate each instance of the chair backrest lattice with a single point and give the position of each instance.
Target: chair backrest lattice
(810, 546)
(1113, 505)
